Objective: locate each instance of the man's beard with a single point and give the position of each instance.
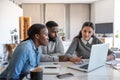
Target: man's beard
(52, 39)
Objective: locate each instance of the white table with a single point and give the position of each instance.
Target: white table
(104, 73)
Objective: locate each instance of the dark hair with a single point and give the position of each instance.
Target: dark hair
(90, 24)
(34, 29)
(50, 24)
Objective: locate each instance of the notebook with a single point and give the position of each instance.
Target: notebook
(97, 58)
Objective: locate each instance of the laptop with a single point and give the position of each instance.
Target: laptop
(97, 59)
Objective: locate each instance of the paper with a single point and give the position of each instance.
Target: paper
(50, 69)
(113, 62)
(117, 67)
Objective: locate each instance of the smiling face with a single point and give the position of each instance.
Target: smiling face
(87, 32)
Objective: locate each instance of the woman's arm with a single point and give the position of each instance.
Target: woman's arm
(72, 48)
(59, 48)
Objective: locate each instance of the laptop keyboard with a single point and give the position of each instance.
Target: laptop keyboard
(84, 66)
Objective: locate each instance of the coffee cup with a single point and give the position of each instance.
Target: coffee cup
(36, 74)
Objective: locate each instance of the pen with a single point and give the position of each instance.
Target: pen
(51, 67)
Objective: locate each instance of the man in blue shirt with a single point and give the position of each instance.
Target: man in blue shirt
(27, 54)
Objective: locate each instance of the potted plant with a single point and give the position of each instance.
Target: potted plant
(116, 35)
(117, 38)
(62, 34)
(14, 36)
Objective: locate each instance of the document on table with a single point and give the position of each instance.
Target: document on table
(113, 62)
(117, 67)
(50, 69)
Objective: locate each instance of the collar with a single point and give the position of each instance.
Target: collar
(33, 44)
(85, 42)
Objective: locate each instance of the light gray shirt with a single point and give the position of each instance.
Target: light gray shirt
(51, 52)
(79, 48)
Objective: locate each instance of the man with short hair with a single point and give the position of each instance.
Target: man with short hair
(54, 49)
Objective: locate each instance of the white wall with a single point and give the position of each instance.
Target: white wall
(9, 19)
(41, 13)
(117, 23)
(56, 12)
(70, 17)
(92, 13)
(34, 11)
(102, 11)
(78, 15)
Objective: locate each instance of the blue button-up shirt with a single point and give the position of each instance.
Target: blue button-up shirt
(25, 57)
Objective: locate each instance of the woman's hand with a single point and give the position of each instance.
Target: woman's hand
(110, 57)
(76, 59)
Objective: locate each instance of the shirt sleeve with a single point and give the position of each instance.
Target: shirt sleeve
(59, 49)
(72, 48)
(48, 58)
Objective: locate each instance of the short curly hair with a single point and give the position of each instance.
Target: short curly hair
(50, 24)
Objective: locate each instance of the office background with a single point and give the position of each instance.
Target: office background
(69, 16)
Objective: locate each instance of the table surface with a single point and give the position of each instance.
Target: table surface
(103, 73)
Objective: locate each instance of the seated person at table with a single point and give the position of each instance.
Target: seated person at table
(54, 49)
(8, 51)
(81, 44)
(26, 55)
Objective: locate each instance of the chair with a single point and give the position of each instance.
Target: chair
(8, 51)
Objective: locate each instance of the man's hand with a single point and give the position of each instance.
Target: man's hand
(76, 59)
(63, 58)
